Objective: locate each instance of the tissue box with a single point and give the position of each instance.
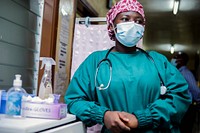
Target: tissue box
(48, 111)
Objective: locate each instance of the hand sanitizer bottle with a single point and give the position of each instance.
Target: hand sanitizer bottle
(14, 98)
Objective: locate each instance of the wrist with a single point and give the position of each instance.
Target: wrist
(134, 122)
(104, 116)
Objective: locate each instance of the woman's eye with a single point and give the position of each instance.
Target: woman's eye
(139, 21)
(125, 19)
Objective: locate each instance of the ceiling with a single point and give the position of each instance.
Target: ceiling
(164, 29)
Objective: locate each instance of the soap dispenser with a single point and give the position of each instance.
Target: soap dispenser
(14, 98)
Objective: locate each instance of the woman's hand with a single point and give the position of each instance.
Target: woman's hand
(116, 122)
(129, 119)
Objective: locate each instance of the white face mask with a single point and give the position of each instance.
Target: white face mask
(129, 33)
(173, 62)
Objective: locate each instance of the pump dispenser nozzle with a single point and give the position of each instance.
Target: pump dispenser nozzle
(48, 62)
(17, 81)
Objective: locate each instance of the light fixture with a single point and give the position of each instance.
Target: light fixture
(176, 6)
(172, 49)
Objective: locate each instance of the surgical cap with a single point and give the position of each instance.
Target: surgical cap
(119, 7)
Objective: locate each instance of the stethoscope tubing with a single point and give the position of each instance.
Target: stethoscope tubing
(101, 87)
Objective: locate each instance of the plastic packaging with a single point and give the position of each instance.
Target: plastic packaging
(14, 98)
(46, 83)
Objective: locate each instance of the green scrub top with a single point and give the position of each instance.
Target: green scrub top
(134, 88)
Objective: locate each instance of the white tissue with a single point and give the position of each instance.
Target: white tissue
(37, 99)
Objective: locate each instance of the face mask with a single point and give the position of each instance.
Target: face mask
(129, 33)
(173, 62)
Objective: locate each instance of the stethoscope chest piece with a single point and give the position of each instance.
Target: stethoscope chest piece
(163, 89)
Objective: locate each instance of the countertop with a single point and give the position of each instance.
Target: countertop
(25, 125)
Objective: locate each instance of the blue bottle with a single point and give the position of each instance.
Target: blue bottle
(14, 98)
(2, 101)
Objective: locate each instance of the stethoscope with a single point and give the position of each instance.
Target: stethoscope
(163, 88)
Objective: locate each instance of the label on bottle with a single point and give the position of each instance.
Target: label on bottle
(14, 103)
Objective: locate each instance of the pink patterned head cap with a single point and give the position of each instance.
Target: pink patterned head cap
(119, 7)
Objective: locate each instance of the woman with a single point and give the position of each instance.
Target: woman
(127, 89)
